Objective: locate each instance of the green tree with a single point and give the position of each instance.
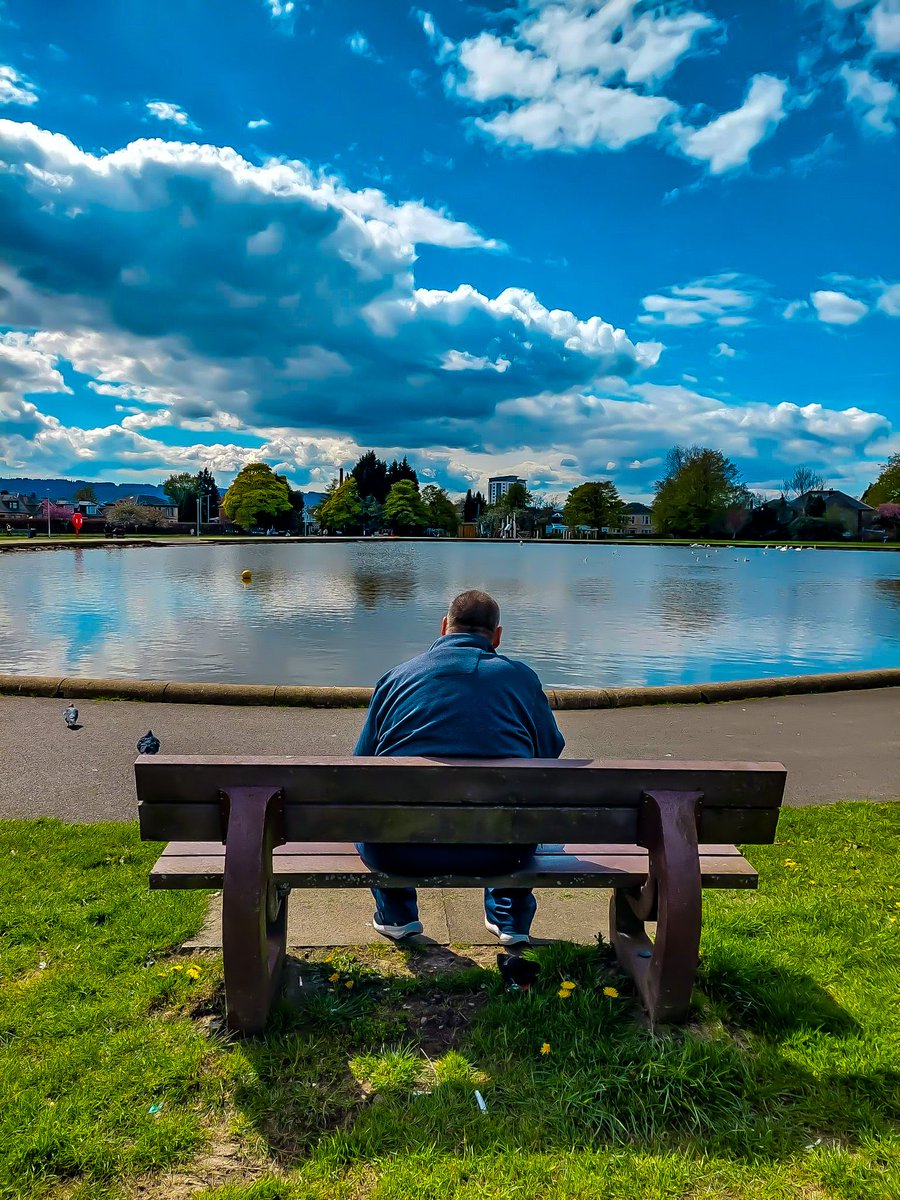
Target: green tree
(341, 511)
(514, 499)
(597, 505)
(205, 487)
(441, 510)
(129, 515)
(371, 478)
(404, 509)
(86, 493)
(182, 491)
(256, 496)
(886, 488)
(399, 471)
(372, 514)
(698, 489)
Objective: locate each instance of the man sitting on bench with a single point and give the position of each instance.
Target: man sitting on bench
(460, 699)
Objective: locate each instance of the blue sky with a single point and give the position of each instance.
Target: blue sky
(554, 238)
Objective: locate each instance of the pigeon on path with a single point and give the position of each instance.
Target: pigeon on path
(148, 744)
(71, 716)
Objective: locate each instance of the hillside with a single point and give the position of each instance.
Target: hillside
(65, 489)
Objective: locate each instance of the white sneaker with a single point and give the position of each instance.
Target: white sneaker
(396, 932)
(507, 939)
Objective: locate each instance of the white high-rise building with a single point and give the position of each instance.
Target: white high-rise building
(499, 485)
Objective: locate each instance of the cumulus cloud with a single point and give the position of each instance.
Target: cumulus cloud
(164, 111)
(716, 300)
(15, 89)
(876, 101)
(723, 350)
(359, 44)
(259, 123)
(889, 299)
(726, 141)
(837, 308)
(883, 26)
(272, 293)
(575, 76)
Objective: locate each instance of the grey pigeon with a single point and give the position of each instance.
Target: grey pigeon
(148, 744)
(71, 716)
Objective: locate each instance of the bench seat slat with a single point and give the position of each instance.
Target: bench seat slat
(592, 867)
(431, 824)
(186, 849)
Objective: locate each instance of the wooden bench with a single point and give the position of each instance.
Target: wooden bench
(654, 832)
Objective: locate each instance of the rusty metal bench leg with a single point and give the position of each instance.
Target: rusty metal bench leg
(254, 913)
(664, 970)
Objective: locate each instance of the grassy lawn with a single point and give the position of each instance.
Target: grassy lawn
(116, 1079)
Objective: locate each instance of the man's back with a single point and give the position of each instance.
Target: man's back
(460, 699)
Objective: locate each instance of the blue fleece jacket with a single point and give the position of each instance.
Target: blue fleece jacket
(460, 699)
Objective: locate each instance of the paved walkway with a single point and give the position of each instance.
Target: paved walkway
(842, 746)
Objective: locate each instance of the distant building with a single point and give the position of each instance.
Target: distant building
(556, 526)
(499, 485)
(16, 504)
(638, 520)
(165, 508)
(837, 507)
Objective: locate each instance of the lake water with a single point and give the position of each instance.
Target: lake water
(332, 613)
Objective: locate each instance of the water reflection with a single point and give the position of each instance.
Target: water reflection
(344, 613)
(888, 589)
(691, 603)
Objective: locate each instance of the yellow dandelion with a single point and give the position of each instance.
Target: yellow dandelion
(564, 993)
(178, 967)
(348, 983)
(789, 862)
(568, 985)
(334, 978)
(545, 1049)
(193, 972)
(611, 992)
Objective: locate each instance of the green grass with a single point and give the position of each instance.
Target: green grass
(116, 1080)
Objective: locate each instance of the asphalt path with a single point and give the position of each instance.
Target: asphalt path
(840, 746)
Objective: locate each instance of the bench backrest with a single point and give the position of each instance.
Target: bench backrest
(182, 798)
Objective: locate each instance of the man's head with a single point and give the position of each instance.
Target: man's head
(474, 612)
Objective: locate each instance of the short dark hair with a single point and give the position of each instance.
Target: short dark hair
(473, 612)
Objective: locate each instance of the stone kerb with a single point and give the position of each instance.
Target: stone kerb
(73, 688)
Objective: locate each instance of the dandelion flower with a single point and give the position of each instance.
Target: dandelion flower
(545, 1049)
(348, 983)
(789, 862)
(178, 967)
(334, 978)
(193, 972)
(568, 985)
(611, 992)
(564, 993)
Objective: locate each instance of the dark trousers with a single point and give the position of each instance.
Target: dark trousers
(510, 909)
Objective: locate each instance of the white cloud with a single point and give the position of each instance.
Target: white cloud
(883, 26)
(794, 309)
(359, 44)
(876, 100)
(889, 300)
(164, 111)
(837, 308)
(15, 89)
(281, 10)
(271, 294)
(260, 123)
(723, 350)
(726, 142)
(705, 301)
(573, 76)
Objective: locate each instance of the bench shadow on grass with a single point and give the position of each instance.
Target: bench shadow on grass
(390, 1066)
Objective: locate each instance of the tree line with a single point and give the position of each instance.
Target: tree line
(700, 494)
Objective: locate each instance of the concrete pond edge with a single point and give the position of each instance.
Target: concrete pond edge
(278, 695)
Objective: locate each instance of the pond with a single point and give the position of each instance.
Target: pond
(333, 613)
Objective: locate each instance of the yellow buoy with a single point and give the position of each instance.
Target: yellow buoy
(246, 576)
